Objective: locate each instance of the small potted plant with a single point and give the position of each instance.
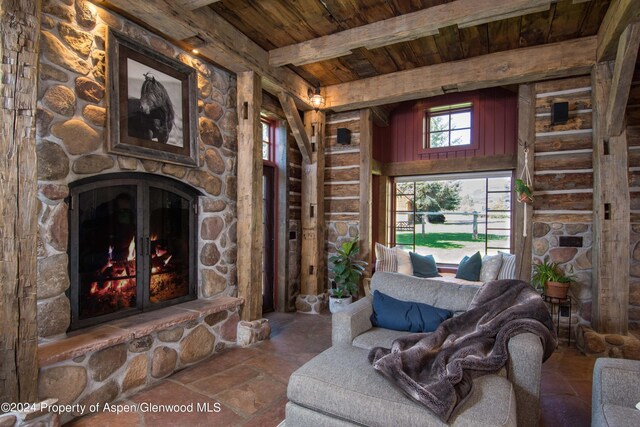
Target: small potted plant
(524, 192)
(347, 271)
(550, 277)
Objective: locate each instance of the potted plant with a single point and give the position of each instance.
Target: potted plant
(524, 192)
(550, 277)
(347, 271)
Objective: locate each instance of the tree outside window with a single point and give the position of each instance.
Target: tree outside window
(448, 126)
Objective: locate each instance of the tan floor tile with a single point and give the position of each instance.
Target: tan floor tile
(253, 396)
(225, 380)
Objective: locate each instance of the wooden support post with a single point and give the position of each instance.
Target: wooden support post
(296, 125)
(526, 137)
(19, 46)
(312, 277)
(610, 255)
(619, 15)
(622, 76)
(366, 154)
(250, 232)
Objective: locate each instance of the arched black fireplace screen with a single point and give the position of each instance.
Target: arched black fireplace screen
(132, 245)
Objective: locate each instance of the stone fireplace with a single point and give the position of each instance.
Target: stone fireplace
(182, 250)
(132, 245)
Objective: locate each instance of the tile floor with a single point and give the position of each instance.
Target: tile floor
(250, 383)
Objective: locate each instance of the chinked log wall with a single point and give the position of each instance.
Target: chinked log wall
(342, 181)
(563, 184)
(633, 141)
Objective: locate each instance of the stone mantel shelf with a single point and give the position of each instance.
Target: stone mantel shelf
(80, 342)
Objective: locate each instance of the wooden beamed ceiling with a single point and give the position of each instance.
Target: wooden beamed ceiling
(368, 53)
(278, 24)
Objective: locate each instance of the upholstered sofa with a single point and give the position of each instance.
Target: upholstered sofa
(615, 392)
(340, 388)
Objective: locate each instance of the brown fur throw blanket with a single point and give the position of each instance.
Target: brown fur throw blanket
(437, 369)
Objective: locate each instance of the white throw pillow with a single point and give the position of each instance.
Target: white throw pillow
(386, 259)
(508, 269)
(404, 262)
(491, 265)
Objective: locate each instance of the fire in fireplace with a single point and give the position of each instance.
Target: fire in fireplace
(132, 246)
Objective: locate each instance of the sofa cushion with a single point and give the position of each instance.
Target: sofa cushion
(616, 415)
(469, 268)
(424, 265)
(342, 384)
(377, 337)
(399, 315)
(490, 267)
(429, 291)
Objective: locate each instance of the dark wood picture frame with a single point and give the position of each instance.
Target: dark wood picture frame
(146, 130)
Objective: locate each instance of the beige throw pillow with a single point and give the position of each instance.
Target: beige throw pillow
(404, 262)
(491, 265)
(386, 259)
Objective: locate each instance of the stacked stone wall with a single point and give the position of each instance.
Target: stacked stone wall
(575, 261)
(71, 144)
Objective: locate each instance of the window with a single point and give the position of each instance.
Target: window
(268, 140)
(447, 126)
(450, 216)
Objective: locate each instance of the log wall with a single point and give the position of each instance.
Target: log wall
(342, 181)
(563, 186)
(633, 141)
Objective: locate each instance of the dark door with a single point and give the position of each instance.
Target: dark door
(269, 227)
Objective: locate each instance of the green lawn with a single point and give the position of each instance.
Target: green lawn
(444, 240)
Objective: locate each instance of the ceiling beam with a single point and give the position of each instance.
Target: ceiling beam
(622, 76)
(620, 14)
(524, 65)
(426, 22)
(297, 126)
(223, 43)
(194, 4)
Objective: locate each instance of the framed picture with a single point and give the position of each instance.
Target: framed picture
(153, 110)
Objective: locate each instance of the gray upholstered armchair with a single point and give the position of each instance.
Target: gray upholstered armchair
(616, 391)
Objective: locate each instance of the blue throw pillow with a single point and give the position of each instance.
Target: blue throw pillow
(469, 268)
(391, 313)
(423, 265)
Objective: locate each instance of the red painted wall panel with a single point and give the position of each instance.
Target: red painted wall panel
(494, 122)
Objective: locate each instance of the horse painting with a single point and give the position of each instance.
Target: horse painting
(151, 116)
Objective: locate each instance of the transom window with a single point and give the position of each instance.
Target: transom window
(448, 126)
(450, 216)
(268, 140)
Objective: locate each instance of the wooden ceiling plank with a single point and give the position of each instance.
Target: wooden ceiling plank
(194, 4)
(567, 21)
(621, 13)
(524, 65)
(504, 34)
(515, 14)
(224, 43)
(401, 28)
(534, 29)
(297, 125)
(622, 78)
